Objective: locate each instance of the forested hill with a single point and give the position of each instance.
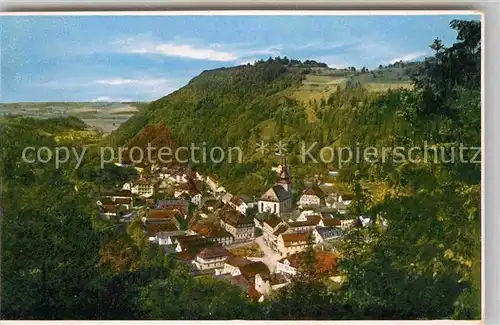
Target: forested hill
(277, 99)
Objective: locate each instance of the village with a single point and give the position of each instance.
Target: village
(254, 243)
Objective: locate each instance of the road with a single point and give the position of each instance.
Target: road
(270, 257)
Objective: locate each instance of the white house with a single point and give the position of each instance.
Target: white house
(240, 203)
(268, 283)
(325, 233)
(326, 262)
(312, 197)
(240, 226)
(212, 182)
(211, 258)
(290, 243)
(305, 213)
(346, 199)
(226, 198)
(232, 265)
(141, 187)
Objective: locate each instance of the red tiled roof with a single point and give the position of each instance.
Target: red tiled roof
(281, 229)
(154, 228)
(164, 214)
(123, 200)
(121, 193)
(347, 196)
(332, 222)
(213, 252)
(235, 218)
(325, 261)
(250, 270)
(315, 190)
(295, 237)
(237, 261)
(273, 221)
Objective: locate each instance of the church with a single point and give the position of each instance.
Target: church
(278, 199)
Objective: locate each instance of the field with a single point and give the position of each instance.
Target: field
(104, 117)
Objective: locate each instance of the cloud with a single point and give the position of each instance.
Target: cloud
(408, 57)
(115, 89)
(147, 44)
(133, 82)
(110, 99)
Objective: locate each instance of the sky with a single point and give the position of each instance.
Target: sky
(142, 58)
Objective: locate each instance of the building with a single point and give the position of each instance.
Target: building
(309, 224)
(211, 258)
(153, 228)
(250, 270)
(240, 203)
(123, 197)
(237, 224)
(212, 182)
(345, 198)
(271, 228)
(275, 200)
(179, 204)
(284, 177)
(325, 233)
(326, 263)
(142, 187)
(265, 284)
(290, 243)
(232, 265)
(215, 233)
(312, 197)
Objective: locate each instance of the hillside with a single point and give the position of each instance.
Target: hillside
(269, 101)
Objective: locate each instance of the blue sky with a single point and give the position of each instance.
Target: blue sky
(126, 58)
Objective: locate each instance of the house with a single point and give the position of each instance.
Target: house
(334, 222)
(226, 198)
(212, 232)
(305, 213)
(232, 265)
(270, 228)
(290, 243)
(340, 207)
(211, 258)
(309, 224)
(276, 200)
(249, 271)
(170, 216)
(325, 233)
(326, 263)
(123, 197)
(208, 204)
(193, 244)
(240, 203)
(179, 204)
(142, 187)
(152, 229)
(265, 284)
(165, 238)
(212, 182)
(237, 224)
(312, 197)
(108, 210)
(345, 198)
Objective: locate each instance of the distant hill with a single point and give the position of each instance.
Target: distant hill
(102, 116)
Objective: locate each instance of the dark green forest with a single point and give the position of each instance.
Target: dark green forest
(60, 261)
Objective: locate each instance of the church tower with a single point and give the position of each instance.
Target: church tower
(284, 176)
